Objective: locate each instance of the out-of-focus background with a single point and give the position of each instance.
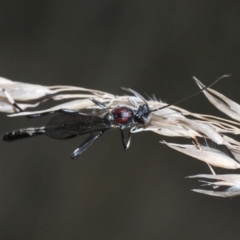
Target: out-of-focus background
(109, 193)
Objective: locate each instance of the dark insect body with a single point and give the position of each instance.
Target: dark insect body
(68, 123)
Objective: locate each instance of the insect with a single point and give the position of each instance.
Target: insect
(68, 123)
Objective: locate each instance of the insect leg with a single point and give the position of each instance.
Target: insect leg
(11, 100)
(69, 111)
(101, 105)
(85, 145)
(126, 144)
(23, 133)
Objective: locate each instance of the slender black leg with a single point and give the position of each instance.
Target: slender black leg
(101, 105)
(85, 145)
(11, 100)
(69, 111)
(126, 144)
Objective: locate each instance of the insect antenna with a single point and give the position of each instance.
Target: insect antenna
(192, 95)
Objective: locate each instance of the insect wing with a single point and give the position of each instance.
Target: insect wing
(69, 125)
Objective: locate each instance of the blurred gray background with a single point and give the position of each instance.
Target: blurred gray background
(109, 193)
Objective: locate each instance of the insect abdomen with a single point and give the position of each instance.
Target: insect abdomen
(23, 133)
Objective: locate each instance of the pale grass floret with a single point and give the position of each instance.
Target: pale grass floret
(221, 102)
(230, 181)
(31, 95)
(172, 121)
(206, 154)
